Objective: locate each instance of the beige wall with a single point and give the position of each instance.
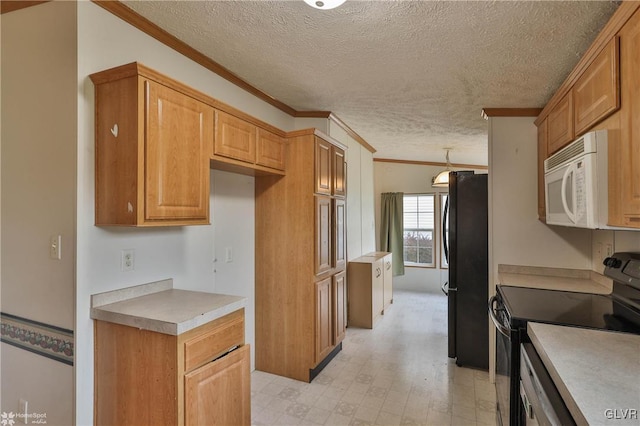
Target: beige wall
(39, 133)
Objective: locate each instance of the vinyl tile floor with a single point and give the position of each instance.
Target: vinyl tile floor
(396, 374)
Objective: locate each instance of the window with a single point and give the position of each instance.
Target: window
(419, 222)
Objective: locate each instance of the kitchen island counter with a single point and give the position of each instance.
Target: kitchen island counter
(596, 372)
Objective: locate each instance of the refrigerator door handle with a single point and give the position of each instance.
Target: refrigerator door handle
(445, 288)
(445, 241)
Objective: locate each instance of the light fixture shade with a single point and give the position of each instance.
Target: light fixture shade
(324, 4)
(442, 180)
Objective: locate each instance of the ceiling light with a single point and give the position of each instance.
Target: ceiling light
(324, 4)
(442, 179)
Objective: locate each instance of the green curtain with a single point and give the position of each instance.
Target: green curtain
(391, 229)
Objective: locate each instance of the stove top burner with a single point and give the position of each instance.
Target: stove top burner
(569, 308)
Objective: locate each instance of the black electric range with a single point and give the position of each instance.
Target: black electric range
(513, 307)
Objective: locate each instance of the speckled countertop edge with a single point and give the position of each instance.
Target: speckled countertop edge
(592, 370)
(158, 307)
(578, 280)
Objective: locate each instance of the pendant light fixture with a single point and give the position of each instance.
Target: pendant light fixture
(324, 4)
(442, 179)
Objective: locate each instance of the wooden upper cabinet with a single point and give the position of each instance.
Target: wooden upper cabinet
(629, 165)
(270, 150)
(152, 144)
(235, 138)
(339, 172)
(542, 155)
(596, 94)
(323, 167)
(179, 132)
(560, 124)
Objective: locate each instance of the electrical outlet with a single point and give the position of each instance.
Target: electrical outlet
(24, 410)
(127, 260)
(609, 250)
(228, 255)
(55, 243)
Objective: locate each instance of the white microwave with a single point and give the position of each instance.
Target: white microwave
(575, 181)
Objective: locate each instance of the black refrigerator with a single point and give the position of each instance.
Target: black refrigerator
(466, 247)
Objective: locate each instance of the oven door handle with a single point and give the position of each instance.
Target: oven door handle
(496, 322)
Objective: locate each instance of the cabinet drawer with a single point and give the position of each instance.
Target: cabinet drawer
(213, 342)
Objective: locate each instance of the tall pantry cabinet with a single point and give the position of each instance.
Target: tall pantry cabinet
(301, 258)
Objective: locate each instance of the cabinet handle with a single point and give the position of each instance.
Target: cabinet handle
(114, 130)
(388, 265)
(378, 272)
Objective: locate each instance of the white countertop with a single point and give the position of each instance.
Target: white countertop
(578, 280)
(158, 307)
(596, 372)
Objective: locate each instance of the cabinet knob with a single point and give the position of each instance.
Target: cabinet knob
(114, 130)
(129, 207)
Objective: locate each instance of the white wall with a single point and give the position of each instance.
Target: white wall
(516, 236)
(38, 190)
(233, 220)
(183, 253)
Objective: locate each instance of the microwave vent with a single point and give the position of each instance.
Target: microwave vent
(574, 150)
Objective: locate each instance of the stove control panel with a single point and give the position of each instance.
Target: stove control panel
(624, 268)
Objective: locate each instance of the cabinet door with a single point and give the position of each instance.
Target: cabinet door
(596, 94)
(323, 167)
(542, 155)
(377, 289)
(270, 150)
(387, 280)
(235, 138)
(323, 234)
(560, 124)
(339, 306)
(179, 132)
(340, 234)
(629, 124)
(324, 330)
(219, 393)
(339, 172)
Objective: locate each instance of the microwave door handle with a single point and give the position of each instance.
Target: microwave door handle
(571, 169)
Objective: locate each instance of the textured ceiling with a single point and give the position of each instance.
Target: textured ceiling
(410, 77)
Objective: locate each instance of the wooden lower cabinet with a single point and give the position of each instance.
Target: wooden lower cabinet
(151, 378)
(368, 292)
(324, 325)
(219, 393)
(339, 282)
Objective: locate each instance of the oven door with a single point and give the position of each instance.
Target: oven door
(504, 365)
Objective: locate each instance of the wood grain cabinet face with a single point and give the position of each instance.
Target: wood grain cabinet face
(630, 123)
(323, 234)
(560, 124)
(339, 172)
(542, 155)
(339, 306)
(323, 167)
(324, 325)
(150, 141)
(219, 393)
(179, 132)
(270, 150)
(235, 138)
(339, 234)
(161, 379)
(596, 94)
